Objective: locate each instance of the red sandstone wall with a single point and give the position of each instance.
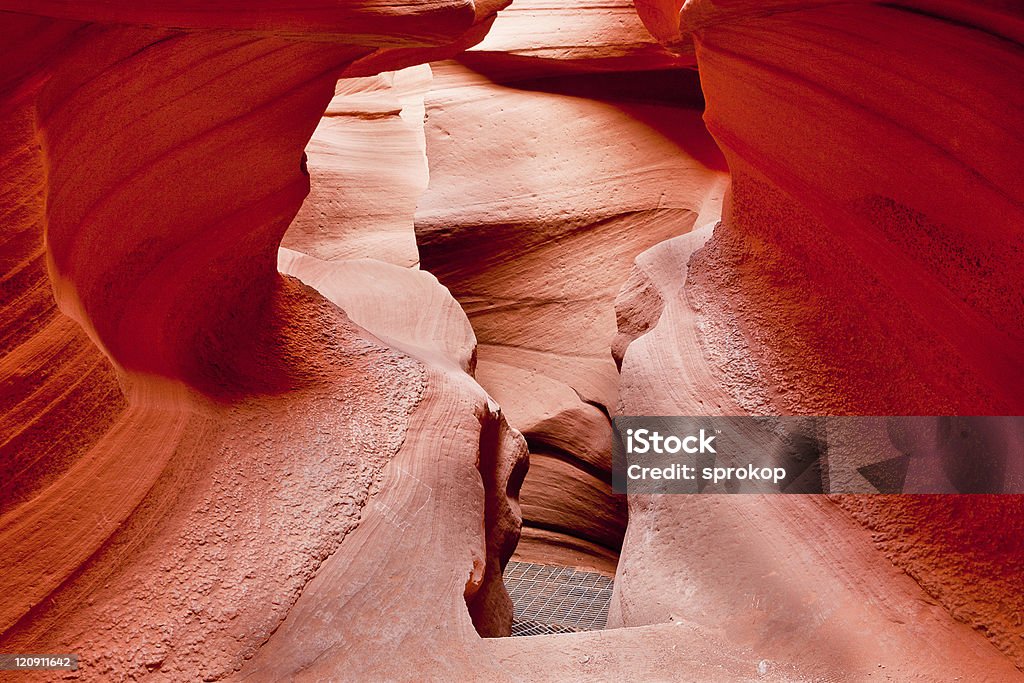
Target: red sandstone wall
(211, 470)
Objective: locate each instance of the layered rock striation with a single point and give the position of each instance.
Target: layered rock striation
(867, 262)
(224, 459)
(530, 221)
(190, 446)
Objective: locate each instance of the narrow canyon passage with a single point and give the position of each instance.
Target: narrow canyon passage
(315, 321)
(536, 262)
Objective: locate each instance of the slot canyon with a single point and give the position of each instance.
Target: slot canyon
(315, 319)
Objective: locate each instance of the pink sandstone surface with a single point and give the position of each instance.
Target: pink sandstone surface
(244, 436)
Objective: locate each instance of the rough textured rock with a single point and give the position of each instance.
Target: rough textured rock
(237, 411)
(789, 577)
(935, 268)
(866, 264)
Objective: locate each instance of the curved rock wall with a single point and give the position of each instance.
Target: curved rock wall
(213, 470)
(211, 409)
(367, 163)
(868, 262)
(528, 221)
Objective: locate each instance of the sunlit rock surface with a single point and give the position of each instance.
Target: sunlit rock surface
(866, 263)
(536, 247)
(225, 459)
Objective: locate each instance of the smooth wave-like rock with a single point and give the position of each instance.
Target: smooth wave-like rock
(535, 249)
(541, 37)
(367, 163)
(223, 459)
(226, 427)
(865, 264)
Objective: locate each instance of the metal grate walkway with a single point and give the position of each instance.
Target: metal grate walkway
(551, 599)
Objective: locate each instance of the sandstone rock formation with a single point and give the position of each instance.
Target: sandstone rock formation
(535, 250)
(213, 409)
(790, 576)
(368, 168)
(224, 459)
(864, 265)
(544, 352)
